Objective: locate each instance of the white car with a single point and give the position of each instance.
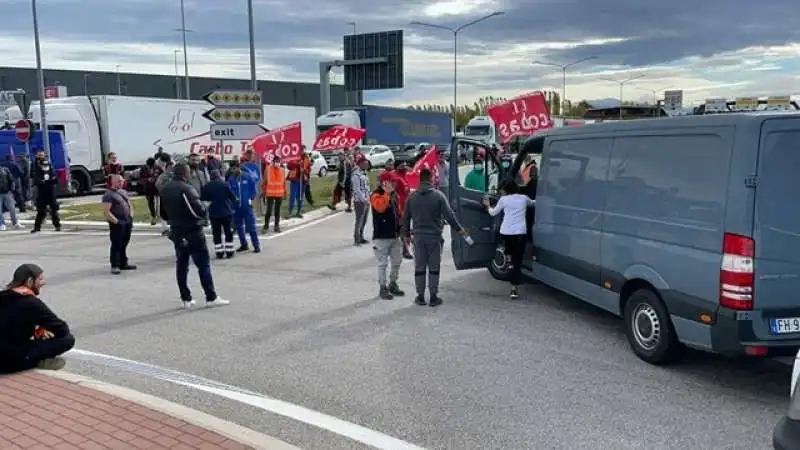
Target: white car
(377, 155)
(318, 164)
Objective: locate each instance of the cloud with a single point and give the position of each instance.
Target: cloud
(708, 48)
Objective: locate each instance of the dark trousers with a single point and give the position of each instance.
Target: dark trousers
(307, 193)
(35, 352)
(190, 244)
(273, 210)
(120, 236)
(515, 248)
(19, 200)
(151, 204)
(222, 227)
(337, 195)
(427, 262)
(46, 201)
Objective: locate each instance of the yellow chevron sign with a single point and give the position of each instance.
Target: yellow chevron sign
(234, 98)
(235, 115)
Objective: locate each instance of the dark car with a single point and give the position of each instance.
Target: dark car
(786, 435)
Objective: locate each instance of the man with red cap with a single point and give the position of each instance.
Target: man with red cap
(386, 219)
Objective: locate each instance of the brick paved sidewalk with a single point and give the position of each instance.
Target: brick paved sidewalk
(42, 412)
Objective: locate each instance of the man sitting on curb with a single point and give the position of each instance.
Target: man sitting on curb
(31, 335)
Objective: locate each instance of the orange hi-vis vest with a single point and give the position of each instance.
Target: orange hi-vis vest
(276, 182)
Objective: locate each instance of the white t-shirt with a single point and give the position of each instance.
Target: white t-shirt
(514, 207)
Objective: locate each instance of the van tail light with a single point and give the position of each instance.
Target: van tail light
(737, 273)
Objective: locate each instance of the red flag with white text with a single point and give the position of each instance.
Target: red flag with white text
(430, 160)
(286, 142)
(339, 137)
(520, 116)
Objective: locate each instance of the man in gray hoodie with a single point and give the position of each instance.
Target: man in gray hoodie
(198, 175)
(422, 219)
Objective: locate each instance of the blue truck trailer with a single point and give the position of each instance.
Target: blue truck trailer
(392, 126)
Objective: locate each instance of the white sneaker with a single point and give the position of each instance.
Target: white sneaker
(188, 305)
(219, 301)
(3, 227)
(18, 226)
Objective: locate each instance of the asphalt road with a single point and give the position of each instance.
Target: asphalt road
(305, 327)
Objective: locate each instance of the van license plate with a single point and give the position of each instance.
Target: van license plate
(784, 326)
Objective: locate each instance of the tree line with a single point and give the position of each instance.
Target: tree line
(464, 113)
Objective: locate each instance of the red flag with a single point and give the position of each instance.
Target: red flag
(286, 142)
(338, 137)
(430, 160)
(521, 116)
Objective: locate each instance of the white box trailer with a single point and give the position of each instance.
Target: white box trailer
(135, 127)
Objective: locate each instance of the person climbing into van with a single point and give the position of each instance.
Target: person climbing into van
(31, 335)
(476, 178)
(513, 228)
(244, 186)
(274, 189)
(422, 225)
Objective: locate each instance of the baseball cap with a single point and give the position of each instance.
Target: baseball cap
(386, 176)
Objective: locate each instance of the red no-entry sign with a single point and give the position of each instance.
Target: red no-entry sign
(23, 129)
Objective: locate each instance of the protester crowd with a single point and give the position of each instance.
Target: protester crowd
(25, 183)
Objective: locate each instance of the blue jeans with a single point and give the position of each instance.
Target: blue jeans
(245, 220)
(295, 195)
(191, 245)
(7, 204)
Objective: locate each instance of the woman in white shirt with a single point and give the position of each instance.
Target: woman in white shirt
(513, 229)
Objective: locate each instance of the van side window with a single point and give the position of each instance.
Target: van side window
(574, 172)
(670, 178)
(778, 179)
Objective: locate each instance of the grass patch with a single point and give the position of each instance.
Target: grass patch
(321, 190)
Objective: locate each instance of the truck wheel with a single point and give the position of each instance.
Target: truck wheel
(498, 267)
(649, 329)
(79, 182)
(323, 171)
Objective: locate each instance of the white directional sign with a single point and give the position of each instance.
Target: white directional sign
(673, 99)
(236, 132)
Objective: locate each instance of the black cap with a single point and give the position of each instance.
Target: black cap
(24, 273)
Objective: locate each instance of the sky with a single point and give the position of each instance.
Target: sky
(707, 48)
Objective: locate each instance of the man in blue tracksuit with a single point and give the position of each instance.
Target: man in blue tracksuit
(244, 185)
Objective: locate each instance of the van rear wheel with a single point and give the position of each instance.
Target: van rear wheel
(649, 329)
(498, 267)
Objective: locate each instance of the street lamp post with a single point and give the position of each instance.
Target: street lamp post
(183, 31)
(622, 84)
(455, 32)
(564, 68)
(253, 77)
(40, 72)
(177, 76)
(86, 84)
(119, 83)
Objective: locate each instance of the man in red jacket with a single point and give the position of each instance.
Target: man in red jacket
(112, 167)
(402, 190)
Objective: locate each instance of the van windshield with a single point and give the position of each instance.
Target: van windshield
(477, 130)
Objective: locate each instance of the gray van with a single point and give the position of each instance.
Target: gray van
(687, 227)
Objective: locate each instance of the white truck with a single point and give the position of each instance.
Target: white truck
(135, 127)
(482, 128)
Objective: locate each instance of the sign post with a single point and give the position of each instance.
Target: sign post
(236, 115)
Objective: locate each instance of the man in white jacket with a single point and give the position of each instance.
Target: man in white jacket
(361, 193)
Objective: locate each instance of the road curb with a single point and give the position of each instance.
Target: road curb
(78, 225)
(230, 430)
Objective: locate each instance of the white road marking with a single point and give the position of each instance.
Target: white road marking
(341, 427)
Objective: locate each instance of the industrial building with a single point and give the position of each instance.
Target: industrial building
(167, 86)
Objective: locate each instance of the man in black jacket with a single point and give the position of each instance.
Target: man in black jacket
(187, 217)
(44, 178)
(31, 335)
